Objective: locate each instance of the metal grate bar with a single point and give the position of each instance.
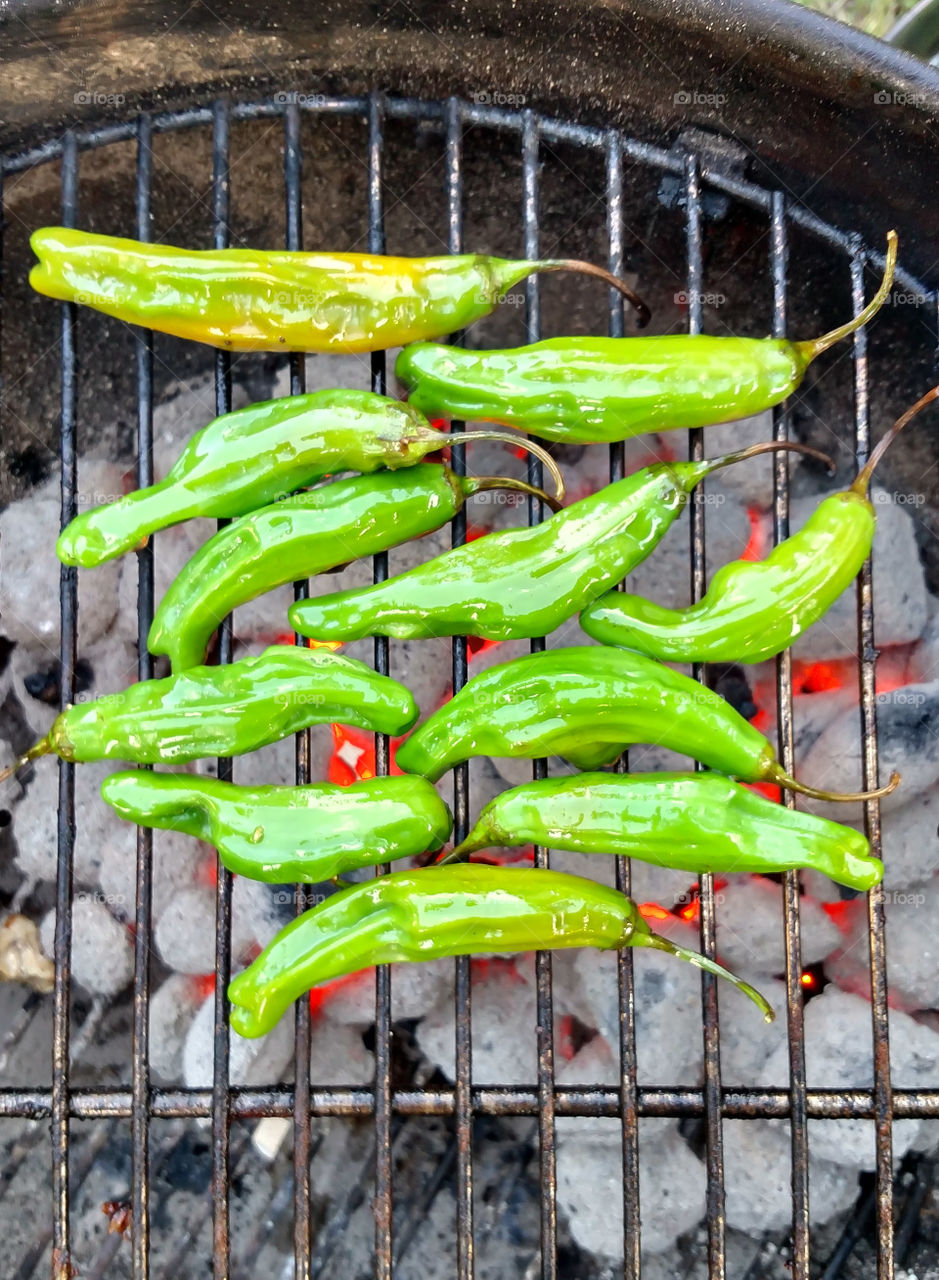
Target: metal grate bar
(221, 1096)
(507, 1100)
(712, 1059)
(383, 1135)
(68, 588)
(462, 995)
(627, 1001)
(302, 1139)
(779, 257)
(545, 1030)
(883, 1102)
(140, 1120)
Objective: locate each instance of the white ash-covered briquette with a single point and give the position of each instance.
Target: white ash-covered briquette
(504, 1020)
(912, 915)
(758, 1178)
(257, 915)
(338, 1055)
(924, 659)
(907, 741)
(184, 932)
(100, 834)
(901, 602)
(171, 549)
(251, 1062)
(178, 862)
(173, 1006)
(28, 532)
(102, 956)
(276, 764)
(667, 1004)
(747, 1040)
(910, 838)
(425, 667)
(590, 1184)
(839, 1055)
(750, 931)
(416, 990)
(751, 482)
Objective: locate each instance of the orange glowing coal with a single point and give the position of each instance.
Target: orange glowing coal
(353, 757)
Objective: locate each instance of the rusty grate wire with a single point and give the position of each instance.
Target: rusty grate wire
(384, 1103)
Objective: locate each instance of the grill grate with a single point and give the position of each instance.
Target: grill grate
(383, 1104)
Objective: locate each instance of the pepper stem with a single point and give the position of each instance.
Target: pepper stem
(481, 484)
(862, 483)
(643, 314)
(782, 779)
(767, 446)
(815, 346)
(449, 440)
(41, 748)
(658, 943)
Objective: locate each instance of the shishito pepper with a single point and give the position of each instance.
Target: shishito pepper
(283, 300)
(587, 704)
(589, 389)
(694, 822)
(304, 535)
(227, 710)
(257, 455)
(456, 910)
(285, 835)
(753, 610)
(521, 583)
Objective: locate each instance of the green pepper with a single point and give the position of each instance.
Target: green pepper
(277, 300)
(457, 910)
(521, 582)
(300, 537)
(227, 710)
(257, 455)
(588, 389)
(587, 704)
(694, 822)
(286, 835)
(754, 610)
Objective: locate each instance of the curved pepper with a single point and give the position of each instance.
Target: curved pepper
(520, 583)
(589, 389)
(227, 710)
(257, 455)
(282, 300)
(286, 835)
(754, 610)
(694, 822)
(587, 704)
(457, 910)
(304, 535)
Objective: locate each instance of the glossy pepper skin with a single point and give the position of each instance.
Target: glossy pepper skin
(254, 456)
(751, 610)
(304, 535)
(462, 909)
(591, 389)
(754, 610)
(694, 822)
(587, 704)
(518, 583)
(277, 300)
(228, 710)
(286, 835)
